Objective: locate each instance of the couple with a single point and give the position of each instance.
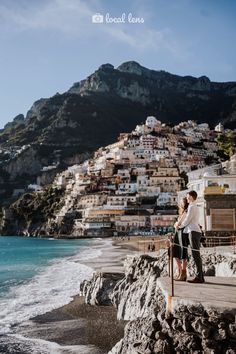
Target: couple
(188, 232)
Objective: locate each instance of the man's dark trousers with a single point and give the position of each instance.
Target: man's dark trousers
(194, 240)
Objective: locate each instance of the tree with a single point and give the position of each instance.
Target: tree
(227, 143)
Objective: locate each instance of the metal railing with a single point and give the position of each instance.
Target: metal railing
(227, 241)
(167, 242)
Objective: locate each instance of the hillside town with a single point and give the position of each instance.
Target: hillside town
(133, 186)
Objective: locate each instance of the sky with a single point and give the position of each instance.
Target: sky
(47, 45)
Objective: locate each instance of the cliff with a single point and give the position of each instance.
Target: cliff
(112, 100)
(191, 327)
(33, 213)
(94, 111)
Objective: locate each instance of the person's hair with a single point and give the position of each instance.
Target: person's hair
(193, 194)
(183, 205)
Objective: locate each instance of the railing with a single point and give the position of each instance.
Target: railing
(222, 241)
(216, 241)
(152, 245)
(167, 242)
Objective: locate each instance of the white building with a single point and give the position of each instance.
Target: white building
(151, 122)
(123, 173)
(216, 193)
(203, 126)
(119, 201)
(166, 198)
(219, 128)
(160, 153)
(225, 183)
(147, 141)
(129, 188)
(129, 222)
(142, 129)
(142, 181)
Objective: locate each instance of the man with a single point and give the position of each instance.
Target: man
(191, 226)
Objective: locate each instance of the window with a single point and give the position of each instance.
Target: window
(223, 219)
(212, 184)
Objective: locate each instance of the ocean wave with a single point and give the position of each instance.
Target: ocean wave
(19, 344)
(52, 287)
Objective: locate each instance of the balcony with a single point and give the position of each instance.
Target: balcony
(214, 190)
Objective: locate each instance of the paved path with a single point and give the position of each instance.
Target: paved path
(216, 293)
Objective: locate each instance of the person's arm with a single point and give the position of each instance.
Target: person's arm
(187, 218)
(182, 217)
(179, 220)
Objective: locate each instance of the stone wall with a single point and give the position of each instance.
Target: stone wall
(151, 328)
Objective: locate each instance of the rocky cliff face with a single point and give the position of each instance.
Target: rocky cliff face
(162, 90)
(28, 162)
(109, 79)
(118, 99)
(99, 289)
(94, 111)
(140, 300)
(33, 214)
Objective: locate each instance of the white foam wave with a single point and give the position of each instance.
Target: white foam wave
(41, 346)
(54, 286)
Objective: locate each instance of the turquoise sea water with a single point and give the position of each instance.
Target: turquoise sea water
(21, 258)
(38, 275)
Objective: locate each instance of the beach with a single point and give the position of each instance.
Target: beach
(50, 317)
(70, 326)
(77, 327)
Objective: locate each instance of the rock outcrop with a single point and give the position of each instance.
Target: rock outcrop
(33, 214)
(191, 328)
(27, 162)
(98, 290)
(134, 296)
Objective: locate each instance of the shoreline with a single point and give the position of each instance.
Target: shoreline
(76, 324)
(77, 327)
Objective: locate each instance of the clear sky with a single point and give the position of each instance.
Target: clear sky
(47, 45)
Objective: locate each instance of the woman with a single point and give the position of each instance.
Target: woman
(180, 247)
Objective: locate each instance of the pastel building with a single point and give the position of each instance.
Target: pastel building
(216, 190)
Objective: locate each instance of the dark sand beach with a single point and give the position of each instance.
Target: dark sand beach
(79, 324)
(78, 327)
(85, 328)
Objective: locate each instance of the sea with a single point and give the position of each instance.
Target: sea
(38, 275)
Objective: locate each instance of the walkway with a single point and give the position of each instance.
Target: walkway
(217, 293)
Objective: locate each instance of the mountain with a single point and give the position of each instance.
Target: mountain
(59, 130)
(111, 100)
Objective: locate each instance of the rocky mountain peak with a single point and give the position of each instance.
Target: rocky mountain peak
(131, 67)
(105, 67)
(19, 119)
(203, 83)
(132, 81)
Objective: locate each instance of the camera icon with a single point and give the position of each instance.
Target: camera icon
(97, 18)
